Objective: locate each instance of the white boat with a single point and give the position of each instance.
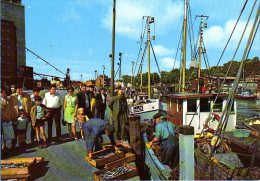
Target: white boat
(142, 104)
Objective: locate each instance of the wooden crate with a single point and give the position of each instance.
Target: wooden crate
(103, 161)
(21, 172)
(133, 173)
(129, 157)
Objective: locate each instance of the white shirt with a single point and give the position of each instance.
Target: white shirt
(87, 101)
(52, 101)
(103, 98)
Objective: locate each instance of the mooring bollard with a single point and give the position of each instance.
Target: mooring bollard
(186, 147)
(135, 133)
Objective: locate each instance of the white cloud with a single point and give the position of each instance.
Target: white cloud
(70, 14)
(217, 36)
(168, 62)
(129, 15)
(160, 50)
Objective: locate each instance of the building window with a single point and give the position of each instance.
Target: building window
(204, 105)
(218, 105)
(191, 105)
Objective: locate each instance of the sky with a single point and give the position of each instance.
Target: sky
(77, 34)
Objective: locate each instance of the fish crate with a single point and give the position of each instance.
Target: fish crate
(102, 157)
(122, 172)
(17, 168)
(129, 157)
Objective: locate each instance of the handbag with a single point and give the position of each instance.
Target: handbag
(64, 123)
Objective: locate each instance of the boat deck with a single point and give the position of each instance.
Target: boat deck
(247, 144)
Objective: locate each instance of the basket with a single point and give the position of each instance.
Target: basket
(241, 133)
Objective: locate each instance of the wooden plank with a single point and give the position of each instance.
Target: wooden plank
(17, 170)
(129, 157)
(103, 161)
(133, 173)
(18, 177)
(18, 160)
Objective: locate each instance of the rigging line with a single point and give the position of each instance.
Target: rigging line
(206, 54)
(196, 43)
(235, 85)
(156, 60)
(241, 12)
(207, 68)
(40, 57)
(222, 84)
(141, 63)
(189, 11)
(189, 30)
(141, 44)
(177, 48)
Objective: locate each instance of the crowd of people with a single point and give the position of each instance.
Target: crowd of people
(21, 111)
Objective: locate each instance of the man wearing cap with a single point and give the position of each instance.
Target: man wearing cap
(119, 109)
(165, 137)
(93, 130)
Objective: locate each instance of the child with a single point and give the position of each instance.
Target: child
(21, 127)
(82, 119)
(38, 118)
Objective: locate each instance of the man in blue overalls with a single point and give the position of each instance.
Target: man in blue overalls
(165, 136)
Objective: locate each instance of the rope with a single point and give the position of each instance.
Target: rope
(141, 43)
(177, 48)
(156, 60)
(232, 32)
(41, 58)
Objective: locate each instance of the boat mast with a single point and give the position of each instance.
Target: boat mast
(113, 48)
(184, 40)
(148, 22)
(202, 26)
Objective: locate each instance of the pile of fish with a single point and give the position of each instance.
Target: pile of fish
(104, 155)
(15, 165)
(116, 172)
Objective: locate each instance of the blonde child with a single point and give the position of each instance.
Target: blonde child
(38, 112)
(82, 119)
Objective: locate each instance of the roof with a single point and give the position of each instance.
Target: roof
(193, 95)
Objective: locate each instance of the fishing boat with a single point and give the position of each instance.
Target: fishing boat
(209, 114)
(141, 104)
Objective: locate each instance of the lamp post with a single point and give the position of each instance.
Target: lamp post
(95, 74)
(81, 77)
(104, 75)
(120, 65)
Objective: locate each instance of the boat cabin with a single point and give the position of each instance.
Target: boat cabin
(184, 108)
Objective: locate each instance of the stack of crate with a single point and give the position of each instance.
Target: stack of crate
(113, 162)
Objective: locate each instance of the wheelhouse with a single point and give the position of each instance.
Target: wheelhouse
(194, 109)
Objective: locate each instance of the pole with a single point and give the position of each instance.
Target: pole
(184, 40)
(186, 150)
(104, 75)
(81, 77)
(113, 48)
(141, 78)
(132, 77)
(200, 51)
(148, 56)
(120, 66)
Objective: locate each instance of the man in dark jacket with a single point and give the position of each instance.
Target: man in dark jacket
(93, 130)
(119, 108)
(83, 100)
